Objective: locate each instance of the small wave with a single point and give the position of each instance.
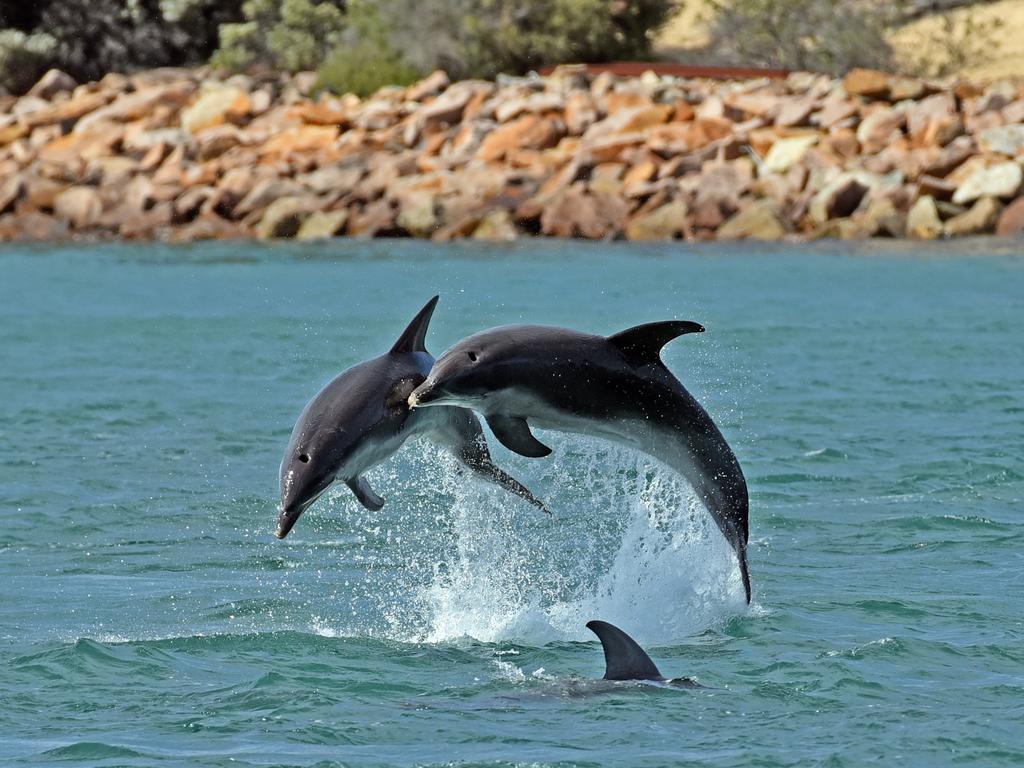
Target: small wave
(90, 750)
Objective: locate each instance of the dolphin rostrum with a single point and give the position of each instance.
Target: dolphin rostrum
(624, 659)
(362, 417)
(614, 387)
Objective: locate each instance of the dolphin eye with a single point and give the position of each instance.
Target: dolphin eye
(304, 458)
(472, 356)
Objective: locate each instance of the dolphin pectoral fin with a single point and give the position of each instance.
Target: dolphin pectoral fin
(623, 658)
(365, 494)
(514, 433)
(643, 343)
(741, 554)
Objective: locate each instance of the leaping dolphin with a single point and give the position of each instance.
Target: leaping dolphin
(362, 417)
(624, 659)
(614, 387)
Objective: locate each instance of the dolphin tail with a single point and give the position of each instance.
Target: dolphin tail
(624, 659)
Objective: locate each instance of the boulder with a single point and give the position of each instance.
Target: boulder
(923, 222)
(216, 106)
(496, 226)
(80, 206)
(1000, 180)
(322, 224)
(66, 112)
(663, 223)
(979, 219)
(429, 86)
(1004, 139)
(867, 82)
(417, 213)
(10, 191)
(761, 220)
(1011, 221)
(576, 213)
(138, 105)
(284, 216)
(52, 83)
(300, 138)
(526, 132)
(785, 153)
(839, 198)
(879, 129)
(264, 193)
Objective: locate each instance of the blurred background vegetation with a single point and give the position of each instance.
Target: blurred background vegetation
(360, 45)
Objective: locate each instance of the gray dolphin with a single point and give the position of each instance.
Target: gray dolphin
(362, 417)
(624, 659)
(614, 387)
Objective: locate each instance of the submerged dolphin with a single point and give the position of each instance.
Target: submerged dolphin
(614, 387)
(362, 417)
(625, 660)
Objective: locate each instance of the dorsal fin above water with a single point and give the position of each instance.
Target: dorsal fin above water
(413, 338)
(623, 658)
(643, 343)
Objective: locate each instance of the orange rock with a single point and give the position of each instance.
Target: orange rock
(575, 213)
(526, 132)
(580, 112)
(682, 112)
(867, 82)
(67, 111)
(300, 138)
(879, 129)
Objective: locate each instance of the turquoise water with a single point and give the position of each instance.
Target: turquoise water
(149, 617)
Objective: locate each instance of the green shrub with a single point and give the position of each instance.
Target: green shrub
(364, 60)
(818, 35)
(23, 58)
(292, 35)
(482, 38)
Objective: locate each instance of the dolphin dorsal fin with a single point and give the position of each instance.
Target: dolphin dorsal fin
(414, 337)
(623, 658)
(643, 343)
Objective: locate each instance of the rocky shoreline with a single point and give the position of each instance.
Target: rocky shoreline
(181, 155)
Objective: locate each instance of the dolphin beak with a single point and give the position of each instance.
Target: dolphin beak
(425, 394)
(286, 520)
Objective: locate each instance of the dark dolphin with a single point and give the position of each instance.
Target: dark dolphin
(624, 659)
(362, 417)
(614, 387)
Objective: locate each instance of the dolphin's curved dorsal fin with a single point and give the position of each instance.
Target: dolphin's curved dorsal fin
(623, 658)
(413, 338)
(643, 343)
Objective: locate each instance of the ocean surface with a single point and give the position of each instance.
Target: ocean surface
(148, 617)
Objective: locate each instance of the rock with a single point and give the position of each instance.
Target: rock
(66, 112)
(526, 132)
(79, 206)
(264, 193)
(795, 111)
(923, 222)
(839, 198)
(300, 138)
(417, 213)
(322, 224)
(980, 218)
(834, 111)
(335, 179)
(429, 86)
(867, 82)
(138, 105)
(761, 220)
(1004, 139)
(283, 217)
(52, 83)
(879, 129)
(215, 106)
(537, 103)
(576, 213)
(496, 226)
(1000, 180)
(663, 223)
(1011, 221)
(214, 142)
(377, 218)
(883, 218)
(10, 191)
(919, 114)
(787, 152)
(942, 130)
(580, 112)
(32, 226)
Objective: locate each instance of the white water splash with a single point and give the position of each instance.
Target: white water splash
(629, 543)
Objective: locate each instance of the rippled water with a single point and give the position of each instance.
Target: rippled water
(149, 617)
